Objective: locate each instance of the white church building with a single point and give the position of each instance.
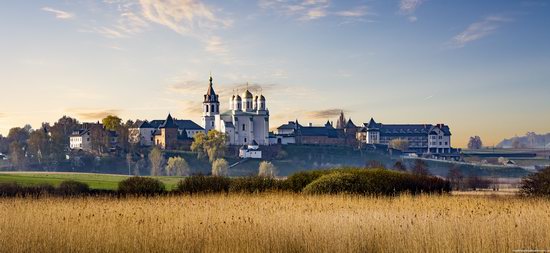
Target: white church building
(246, 121)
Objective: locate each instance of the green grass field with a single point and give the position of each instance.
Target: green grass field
(95, 181)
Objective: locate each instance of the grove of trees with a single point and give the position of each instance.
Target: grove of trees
(475, 142)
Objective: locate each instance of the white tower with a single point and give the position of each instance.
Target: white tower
(211, 108)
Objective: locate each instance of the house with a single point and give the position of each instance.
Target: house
(93, 135)
(422, 138)
(284, 134)
(170, 136)
(250, 151)
(144, 132)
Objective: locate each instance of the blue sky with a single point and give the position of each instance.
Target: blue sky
(482, 67)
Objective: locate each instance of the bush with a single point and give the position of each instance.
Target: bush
(536, 184)
(370, 182)
(267, 169)
(256, 184)
(12, 189)
(141, 186)
(72, 188)
(202, 184)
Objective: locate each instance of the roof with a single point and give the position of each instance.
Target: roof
(254, 143)
(247, 94)
(329, 132)
(181, 124)
(350, 124)
(289, 125)
(79, 132)
(210, 95)
(228, 124)
(145, 124)
(169, 123)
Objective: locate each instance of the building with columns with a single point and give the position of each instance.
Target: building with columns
(246, 121)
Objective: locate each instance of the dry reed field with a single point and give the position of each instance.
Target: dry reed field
(274, 222)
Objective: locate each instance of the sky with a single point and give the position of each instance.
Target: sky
(480, 66)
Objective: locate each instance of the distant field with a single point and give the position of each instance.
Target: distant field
(95, 181)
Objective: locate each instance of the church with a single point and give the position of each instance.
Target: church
(245, 123)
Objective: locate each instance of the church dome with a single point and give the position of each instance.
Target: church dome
(247, 95)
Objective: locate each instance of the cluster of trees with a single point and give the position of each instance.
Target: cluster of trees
(475, 142)
(48, 145)
(399, 144)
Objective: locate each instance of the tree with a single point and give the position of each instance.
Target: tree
(19, 135)
(99, 139)
(177, 166)
(399, 144)
(375, 164)
(455, 177)
(60, 132)
(420, 168)
(475, 143)
(267, 169)
(157, 161)
(4, 145)
(39, 145)
(400, 166)
(17, 155)
(111, 122)
(220, 168)
(537, 184)
(213, 145)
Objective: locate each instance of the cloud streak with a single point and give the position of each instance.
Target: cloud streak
(90, 114)
(478, 30)
(408, 7)
(59, 14)
(307, 10)
(325, 114)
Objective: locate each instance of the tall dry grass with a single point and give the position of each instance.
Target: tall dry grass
(274, 223)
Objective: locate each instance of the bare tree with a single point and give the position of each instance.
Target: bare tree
(157, 161)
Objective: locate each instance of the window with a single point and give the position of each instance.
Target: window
(440, 137)
(440, 143)
(206, 108)
(244, 129)
(212, 108)
(212, 123)
(245, 140)
(446, 143)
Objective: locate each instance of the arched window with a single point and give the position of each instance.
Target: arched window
(212, 108)
(206, 108)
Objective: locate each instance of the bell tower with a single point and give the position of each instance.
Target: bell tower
(210, 108)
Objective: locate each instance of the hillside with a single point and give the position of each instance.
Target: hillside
(529, 140)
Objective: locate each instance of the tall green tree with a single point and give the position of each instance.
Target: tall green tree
(213, 145)
(111, 122)
(60, 132)
(17, 156)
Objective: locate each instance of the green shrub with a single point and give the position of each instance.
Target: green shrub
(72, 188)
(255, 184)
(374, 182)
(141, 186)
(203, 184)
(537, 184)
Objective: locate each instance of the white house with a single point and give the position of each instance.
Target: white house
(250, 151)
(81, 140)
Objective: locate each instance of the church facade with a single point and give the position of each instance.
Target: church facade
(245, 123)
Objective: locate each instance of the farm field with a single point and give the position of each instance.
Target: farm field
(275, 222)
(95, 181)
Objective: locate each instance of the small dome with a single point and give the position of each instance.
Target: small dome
(262, 98)
(238, 98)
(247, 95)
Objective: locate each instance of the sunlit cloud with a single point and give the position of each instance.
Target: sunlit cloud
(478, 30)
(325, 114)
(59, 14)
(92, 114)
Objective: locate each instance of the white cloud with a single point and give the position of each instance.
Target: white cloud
(306, 10)
(408, 7)
(182, 16)
(478, 30)
(216, 46)
(59, 14)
